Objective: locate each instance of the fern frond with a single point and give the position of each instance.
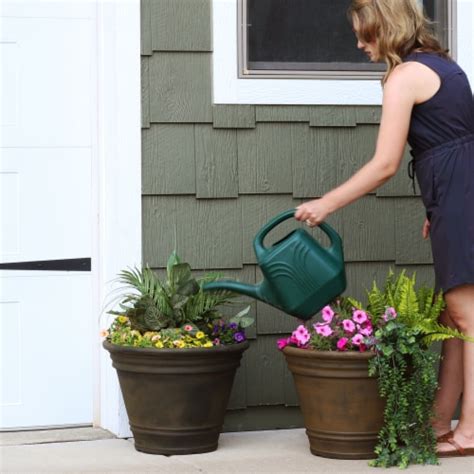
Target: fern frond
(408, 308)
(353, 302)
(435, 337)
(431, 328)
(437, 307)
(399, 283)
(376, 299)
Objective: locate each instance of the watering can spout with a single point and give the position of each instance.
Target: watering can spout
(235, 286)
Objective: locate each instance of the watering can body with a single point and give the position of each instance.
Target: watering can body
(300, 275)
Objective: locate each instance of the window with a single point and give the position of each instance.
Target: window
(298, 38)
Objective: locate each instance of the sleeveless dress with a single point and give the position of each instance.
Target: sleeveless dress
(441, 136)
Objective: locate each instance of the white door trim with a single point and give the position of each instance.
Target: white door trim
(117, 183)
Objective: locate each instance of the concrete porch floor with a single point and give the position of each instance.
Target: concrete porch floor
(95, 450)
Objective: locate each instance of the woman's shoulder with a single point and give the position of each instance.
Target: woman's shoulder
(405, 71)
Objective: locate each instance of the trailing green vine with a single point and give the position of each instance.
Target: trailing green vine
(407, 380)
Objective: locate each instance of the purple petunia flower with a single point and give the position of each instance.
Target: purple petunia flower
(239, 336)
(233, 326)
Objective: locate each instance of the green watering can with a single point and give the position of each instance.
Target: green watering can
(300, 275)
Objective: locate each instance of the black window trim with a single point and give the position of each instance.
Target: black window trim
(318, 73)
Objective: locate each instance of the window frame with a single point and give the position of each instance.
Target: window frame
(318, 72)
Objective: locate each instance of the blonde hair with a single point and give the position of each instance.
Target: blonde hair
(398, 27)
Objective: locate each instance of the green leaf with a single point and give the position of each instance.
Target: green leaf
(172, 260)
(180, 273)
(188, 288)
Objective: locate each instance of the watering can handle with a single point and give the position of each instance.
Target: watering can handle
(336, 242)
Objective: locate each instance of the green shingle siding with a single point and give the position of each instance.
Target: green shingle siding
(168, 159)
(233, 116)
(180, 87)
(216, 162)
(181, 25)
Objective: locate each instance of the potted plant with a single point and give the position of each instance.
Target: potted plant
(175, 357)
(365, 376)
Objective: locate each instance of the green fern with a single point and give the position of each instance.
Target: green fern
(354, 303)
(408, 309)
(376, 301)
(433, 331)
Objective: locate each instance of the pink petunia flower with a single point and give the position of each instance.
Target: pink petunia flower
(359, 316)
(357, 340)
(188, 327)
(324, 330)
(282, 343)
(348, 325)
(327, 314)
(302, 335)
(389, 314)
(366, 329)
(342, 343)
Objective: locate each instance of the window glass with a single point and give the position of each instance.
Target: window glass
(306, 35)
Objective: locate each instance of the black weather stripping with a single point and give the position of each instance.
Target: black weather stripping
(67, 265)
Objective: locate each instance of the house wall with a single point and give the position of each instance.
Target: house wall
(212, 175)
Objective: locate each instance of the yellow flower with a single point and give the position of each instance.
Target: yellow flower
(179, 344)
(200, 335)
(122, 319)
(207, 344)
(159, 345)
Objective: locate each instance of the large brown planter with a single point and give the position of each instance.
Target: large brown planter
(341, 406)
(176, 398)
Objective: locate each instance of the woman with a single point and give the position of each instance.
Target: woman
(427, 100)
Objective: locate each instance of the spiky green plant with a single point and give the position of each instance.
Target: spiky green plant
(152, 304)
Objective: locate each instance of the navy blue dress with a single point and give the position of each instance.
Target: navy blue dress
(441, 136)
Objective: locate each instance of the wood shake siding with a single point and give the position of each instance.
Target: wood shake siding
(214, 174)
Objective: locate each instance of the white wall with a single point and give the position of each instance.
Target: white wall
(118, 187)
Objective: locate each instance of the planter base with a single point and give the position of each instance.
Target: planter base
(168, 442)
(342, 445)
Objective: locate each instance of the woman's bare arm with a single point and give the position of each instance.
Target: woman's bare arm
(399, 96)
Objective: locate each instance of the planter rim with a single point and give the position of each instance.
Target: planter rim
(189, 351)
(314, 354)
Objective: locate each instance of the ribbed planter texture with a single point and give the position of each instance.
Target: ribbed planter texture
(341, 406)
(176, 398)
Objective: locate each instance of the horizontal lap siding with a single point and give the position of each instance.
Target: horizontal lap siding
(214, 174)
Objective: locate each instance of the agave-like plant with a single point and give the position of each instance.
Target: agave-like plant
(153, 304)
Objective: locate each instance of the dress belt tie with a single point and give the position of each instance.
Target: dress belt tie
(411, 173)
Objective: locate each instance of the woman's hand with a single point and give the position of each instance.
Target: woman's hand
(312, 212)
(426, 229)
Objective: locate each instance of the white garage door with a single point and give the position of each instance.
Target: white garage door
(48, 122)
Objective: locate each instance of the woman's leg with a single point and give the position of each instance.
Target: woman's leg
(450, 380)
(460, 304)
